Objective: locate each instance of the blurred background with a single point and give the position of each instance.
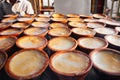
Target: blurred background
(109, 7)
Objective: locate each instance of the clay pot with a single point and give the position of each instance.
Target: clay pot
(32, 42)
(106, 63)
(26, 64)
(65, 65)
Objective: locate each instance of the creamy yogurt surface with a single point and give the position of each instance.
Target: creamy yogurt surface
(61, 43)
(105, 31)
(70, 62)
(35, 31)
(92, 43)
(107, 60)
(114, 39)
(31, 42)
(27, 63)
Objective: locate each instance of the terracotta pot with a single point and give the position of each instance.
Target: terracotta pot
(27, 20)
(58, 15)
(60, 31)
(61, 20)
(11, 16)
(29, 15)
(77, 24)
(101, 32)
(114, 41)
(11, 32)
(83, 32)
(99, 16)
(110, 22)
(9, 20)
(42, 19)
(75, 19)
(20, 25)
(26, 64)
(3, 58)
(72, 15)
(57, 24)
(87, 44)
(65, 65)
(40, 24)
(106, 63)
(32, 42)
(62, 43)
(7, 42)
(90, 20)
(96, 25)
(5, 25)
(36, 31)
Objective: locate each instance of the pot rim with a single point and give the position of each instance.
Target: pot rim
(39, 47)
(70, 74)
(42, 34)
(105, 37)
(105, 46)
(12, 75)
(72, 48)
(106, 72)
(68, 30)
(5, 58)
